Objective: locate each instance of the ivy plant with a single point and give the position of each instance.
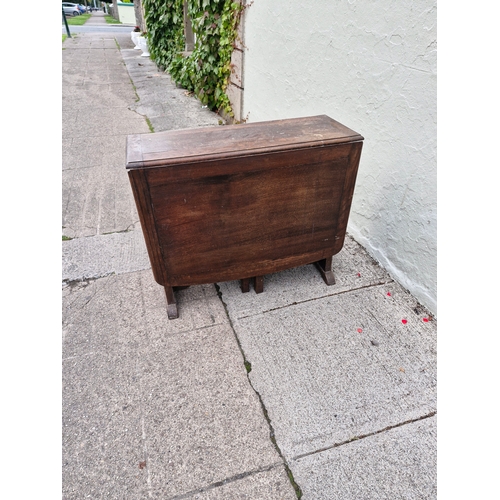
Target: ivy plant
(207, 69)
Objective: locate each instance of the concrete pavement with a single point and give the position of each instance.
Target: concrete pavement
(305, 389)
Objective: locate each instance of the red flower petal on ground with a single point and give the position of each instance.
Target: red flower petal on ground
(404, 321)
(360, 330)
(388, 294)
(425, 320)
(359, 275)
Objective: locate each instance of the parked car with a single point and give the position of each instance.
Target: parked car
(71, 9)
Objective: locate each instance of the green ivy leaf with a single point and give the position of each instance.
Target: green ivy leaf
(206, 71)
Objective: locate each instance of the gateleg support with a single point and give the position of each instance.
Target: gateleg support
(245, 285)
(259, 284)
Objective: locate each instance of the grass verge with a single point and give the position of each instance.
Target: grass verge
(78, 20)
(111, 20)
(150, 125)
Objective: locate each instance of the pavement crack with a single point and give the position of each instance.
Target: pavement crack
(381, 283)
(93, 292)
(248, 368)
(148, 121)
(363, 436)
(228, 480)
(127, 230)
(85, 280)
(145, 463)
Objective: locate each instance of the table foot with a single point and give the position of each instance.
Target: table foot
(258, 284)
(245, 285)
(325, 268)
(172, 311)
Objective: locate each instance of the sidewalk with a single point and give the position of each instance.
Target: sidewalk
(304, 386)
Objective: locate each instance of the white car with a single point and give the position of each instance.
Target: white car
(71, 9)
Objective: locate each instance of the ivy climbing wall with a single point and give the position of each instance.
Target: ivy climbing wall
(206, 69)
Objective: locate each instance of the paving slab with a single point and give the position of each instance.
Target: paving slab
(341, 366)
(159, 97)
(396, 463)
(97, 200)
(267, 484)
(97, 151)
(97, 256)
(151, 406)
(97, 91)
(352, 266)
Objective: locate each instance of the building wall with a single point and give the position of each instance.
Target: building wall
(371, 66)
(126, 13)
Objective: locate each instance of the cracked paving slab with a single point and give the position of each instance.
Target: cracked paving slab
(96, 200)
(340, 366)
(352, 266)
(148, 407)
(397, 463)
(97, 256)
(333, 363)
(167, 106)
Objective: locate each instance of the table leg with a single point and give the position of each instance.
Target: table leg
(245, 285)
(259, 284)
(171, 304)
(325, 268)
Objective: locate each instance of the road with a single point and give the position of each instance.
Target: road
(97, 24)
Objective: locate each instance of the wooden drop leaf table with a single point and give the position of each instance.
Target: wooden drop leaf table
(238, 202)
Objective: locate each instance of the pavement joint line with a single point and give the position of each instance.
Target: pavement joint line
(248, 368)
(363, 436)
(88, 279)
(81, 168)
(69, 358)
(316, 298)
(92, 296)
(94, 278)
(146, 455)
(228, 480)
(144, 436)
(128, 230)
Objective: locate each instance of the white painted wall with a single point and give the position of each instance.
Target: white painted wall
(372, 66)
(126, 13)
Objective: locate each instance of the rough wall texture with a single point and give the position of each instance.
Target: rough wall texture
(139, 15)
(371, 66)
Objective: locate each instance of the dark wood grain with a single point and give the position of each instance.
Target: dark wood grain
(140, 190)
(239, 202)
(244, 139)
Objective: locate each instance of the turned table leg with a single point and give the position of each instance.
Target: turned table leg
(325, 268)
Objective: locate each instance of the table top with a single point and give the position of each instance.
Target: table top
(207, 143)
